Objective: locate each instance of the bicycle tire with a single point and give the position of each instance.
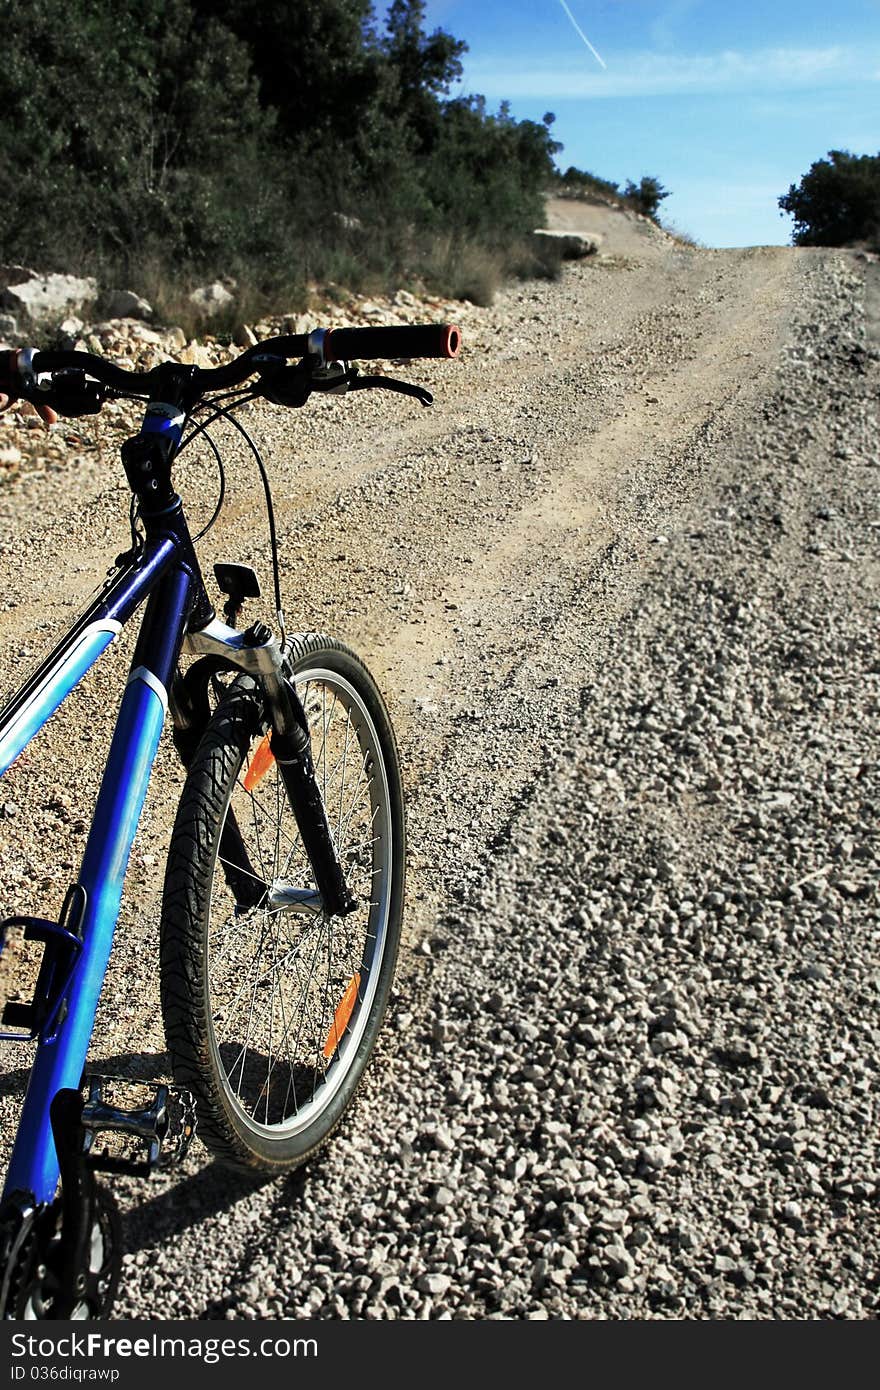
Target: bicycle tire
(215, 944)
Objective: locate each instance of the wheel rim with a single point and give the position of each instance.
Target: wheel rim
(290, 989)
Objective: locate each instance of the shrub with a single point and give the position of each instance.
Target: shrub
(171, 141)
(646, 195)
(579, 183)
(837, 202)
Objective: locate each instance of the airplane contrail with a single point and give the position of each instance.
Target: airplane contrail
(580, 32)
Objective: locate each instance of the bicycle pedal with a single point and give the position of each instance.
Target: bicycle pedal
(137, 1139)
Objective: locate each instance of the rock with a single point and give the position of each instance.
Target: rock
(175, 339)
(244, 336)
(619, 1260)
(140, 334)
(11, 274)
(125, 304)
(433, 1283)
(656, 1156)
(196, 355)
(348, 223)
(210, 299)
(8, 327)
(573, 246)
(444, 1030)
(10, 457)
(41, 297)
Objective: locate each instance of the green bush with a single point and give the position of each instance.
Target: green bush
(581, 184)
(837, 203)
(646, 195)
(164, 142)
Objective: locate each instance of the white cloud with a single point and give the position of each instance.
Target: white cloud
(668, 74)
(666, 25)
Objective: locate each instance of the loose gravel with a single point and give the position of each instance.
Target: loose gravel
(630, 1067)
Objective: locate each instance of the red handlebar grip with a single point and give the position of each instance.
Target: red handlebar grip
(398, 340)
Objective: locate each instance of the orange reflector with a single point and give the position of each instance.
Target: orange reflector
(260, 764)
(342, 1015)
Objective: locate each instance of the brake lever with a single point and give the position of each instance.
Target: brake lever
(292, 386)
(390, 383)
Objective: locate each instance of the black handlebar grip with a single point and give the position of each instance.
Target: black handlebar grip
(398, 340)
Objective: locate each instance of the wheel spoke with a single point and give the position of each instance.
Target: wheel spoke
(290, 989)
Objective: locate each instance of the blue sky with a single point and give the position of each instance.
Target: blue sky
(726, 103)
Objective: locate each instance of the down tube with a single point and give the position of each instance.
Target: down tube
(33, 1167)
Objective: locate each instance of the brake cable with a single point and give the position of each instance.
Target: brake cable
(270, 514)
(202, 428)
(222, 492)
(296, 384)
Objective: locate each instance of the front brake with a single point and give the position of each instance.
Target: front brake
(292, 386)
(390, 383)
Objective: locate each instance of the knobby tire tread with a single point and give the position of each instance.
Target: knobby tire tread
(186, 897)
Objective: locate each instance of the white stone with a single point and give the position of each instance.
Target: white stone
(43, 297)
(209, 299)
(572, 245)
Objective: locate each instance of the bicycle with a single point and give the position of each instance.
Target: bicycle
(283, 893)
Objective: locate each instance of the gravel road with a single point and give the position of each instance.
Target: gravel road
(620, 587)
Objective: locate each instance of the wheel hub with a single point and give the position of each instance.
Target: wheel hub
(284, 897)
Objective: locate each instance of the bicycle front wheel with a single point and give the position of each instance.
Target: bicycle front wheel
(271, 1006)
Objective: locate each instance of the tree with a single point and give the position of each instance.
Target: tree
(317, 63)
(281, 143)
(646, 195)
(106, 105)
(837, 202)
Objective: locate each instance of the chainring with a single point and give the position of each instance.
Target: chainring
(16, 1237)
(30, 1248)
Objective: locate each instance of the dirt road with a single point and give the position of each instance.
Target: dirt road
(484, 557)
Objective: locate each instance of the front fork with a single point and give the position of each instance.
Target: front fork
(257, 653)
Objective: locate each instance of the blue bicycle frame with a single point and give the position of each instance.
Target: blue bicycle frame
(52, 1142)
(178, 616)
(164, 570)
(63, 1043)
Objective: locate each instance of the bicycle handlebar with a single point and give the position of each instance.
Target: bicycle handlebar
(405, 340)
(397, 340)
